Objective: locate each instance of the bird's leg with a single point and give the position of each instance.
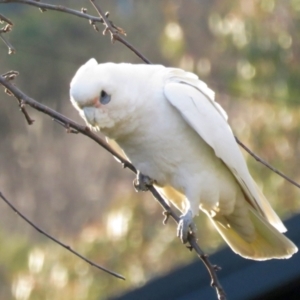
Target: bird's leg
(141, 182)
(186, 226)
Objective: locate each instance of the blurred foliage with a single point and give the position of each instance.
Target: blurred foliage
(247, 51)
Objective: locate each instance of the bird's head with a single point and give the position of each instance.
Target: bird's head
(110, 97)
(91, 91)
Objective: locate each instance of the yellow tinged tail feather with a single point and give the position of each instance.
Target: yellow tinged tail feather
(268, 242)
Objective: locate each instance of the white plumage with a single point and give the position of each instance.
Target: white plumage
(168, 125)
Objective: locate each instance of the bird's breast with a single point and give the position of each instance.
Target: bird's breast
(167, 151)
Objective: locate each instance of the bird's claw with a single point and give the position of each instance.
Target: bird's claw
(186, 226)
(142, 182)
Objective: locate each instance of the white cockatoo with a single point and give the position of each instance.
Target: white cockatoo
(167, 123)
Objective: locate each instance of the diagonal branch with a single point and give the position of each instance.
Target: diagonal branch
(57, 241)
(4, 19)
(71, 125)
(62, 120)
(259, 159)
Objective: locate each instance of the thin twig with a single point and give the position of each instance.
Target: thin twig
(259, 159)
(25, 113)
(8, 21)
(60, 8)
(212, 269)
(115, 33)
(63, 120)
(57, 241)
(11, 49)
(7, 28)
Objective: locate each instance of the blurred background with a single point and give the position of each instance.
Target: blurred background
(247, 51)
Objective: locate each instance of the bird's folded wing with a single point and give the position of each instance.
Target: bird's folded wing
(194, 101)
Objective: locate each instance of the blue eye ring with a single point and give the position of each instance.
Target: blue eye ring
(104, 98)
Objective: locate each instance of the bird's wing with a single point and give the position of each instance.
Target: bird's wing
(195, 102)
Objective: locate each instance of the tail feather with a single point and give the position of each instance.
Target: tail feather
(267, 243)
(270, 214)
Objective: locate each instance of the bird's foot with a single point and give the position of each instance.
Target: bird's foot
(186, 226)
(142, 182)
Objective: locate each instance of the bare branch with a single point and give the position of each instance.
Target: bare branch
(60, 8)
(55, 240)
(212, 269)
(9, 76)
(4, 19)
(25, 113)
(259, 159)
(66, 122)
(115, 33)
(7, 28)
(11, 49)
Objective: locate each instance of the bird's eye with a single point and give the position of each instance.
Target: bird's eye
(104, 98)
